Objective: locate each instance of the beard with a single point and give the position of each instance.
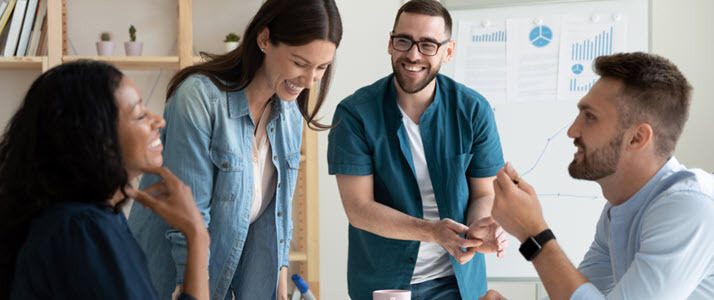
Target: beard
(598, 164)
(410, 85)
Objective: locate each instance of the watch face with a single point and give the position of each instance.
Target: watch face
(529, 248)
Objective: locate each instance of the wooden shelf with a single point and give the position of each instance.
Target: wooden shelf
(298, 256)
(22, 62)
(133, 62)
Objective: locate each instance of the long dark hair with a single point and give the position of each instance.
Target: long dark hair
(292, 22)
(61, 145)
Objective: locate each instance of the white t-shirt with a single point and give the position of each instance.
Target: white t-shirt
(433, 260)
(264, 175)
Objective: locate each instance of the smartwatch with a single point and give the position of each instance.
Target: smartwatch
(532, 245)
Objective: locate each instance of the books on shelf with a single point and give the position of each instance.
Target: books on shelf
(13, 34)
(5, 15)
(37, 28)
(22, 27)
(27, 24)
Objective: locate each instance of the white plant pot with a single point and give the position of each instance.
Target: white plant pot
(230, 46)
(105, 48)
(133, 48)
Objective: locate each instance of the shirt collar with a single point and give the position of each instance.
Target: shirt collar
(238, 105)
(392, 111)
(632, 205)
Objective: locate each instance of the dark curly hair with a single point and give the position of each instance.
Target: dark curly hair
(60, 146)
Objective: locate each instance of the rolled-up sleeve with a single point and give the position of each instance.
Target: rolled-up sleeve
(348, 152)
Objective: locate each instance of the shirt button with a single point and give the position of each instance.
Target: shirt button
(281, 241)
(278, 185)
(275, 158)
(280, 213)
(272, 129)
(411, 260)
(225, 164)
(255, 159)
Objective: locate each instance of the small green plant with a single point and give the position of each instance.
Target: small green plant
(105, 37)
(232, 37)
(132, 33)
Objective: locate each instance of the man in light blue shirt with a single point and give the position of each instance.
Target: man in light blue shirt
(654, 238)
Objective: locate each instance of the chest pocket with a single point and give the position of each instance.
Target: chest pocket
(227, 177)
(293, 165)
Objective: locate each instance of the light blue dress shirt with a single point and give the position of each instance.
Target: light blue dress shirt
(207, 140)
(657, 245)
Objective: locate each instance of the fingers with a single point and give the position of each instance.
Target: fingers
(464, 256)
(143, 198)
(456, 227)
(156, 188)
(511, 172)
(502, 249)
(468, 243)
(504, 181)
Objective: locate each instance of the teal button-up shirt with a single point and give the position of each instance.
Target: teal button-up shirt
(460, 140)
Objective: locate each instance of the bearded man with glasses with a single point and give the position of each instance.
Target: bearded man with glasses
(415, 156)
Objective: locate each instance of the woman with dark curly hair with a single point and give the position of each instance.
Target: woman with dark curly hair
(66, 159)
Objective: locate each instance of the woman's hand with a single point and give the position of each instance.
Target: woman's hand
(283, 284)
(172, 201)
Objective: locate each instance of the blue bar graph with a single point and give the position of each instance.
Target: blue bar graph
(591, 48)
(575, 86)
(498, 36)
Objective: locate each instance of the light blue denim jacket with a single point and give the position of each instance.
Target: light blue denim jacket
(207, 142)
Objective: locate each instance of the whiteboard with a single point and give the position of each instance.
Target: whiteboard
(534, 134)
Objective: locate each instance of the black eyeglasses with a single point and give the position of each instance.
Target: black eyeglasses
(404, 44)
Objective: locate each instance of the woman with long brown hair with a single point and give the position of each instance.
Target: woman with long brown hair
(233, 134)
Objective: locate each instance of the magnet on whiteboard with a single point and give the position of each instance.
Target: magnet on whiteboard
(485, 23)
(538, 21)
(595, 18)
(616, 17)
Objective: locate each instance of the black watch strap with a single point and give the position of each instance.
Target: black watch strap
(532, 245)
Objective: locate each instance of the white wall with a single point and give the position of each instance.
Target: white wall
(680, 31)
(361, 60)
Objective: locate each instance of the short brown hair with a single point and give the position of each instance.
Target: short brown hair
(654, 92)
(426, 7)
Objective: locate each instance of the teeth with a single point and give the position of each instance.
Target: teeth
(413, 69)
(292, 87)
(156, 143)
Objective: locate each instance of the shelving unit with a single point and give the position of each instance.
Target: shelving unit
(304, 256)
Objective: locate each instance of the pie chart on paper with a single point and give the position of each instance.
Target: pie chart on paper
(540, 36)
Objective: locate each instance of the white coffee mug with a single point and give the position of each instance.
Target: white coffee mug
(392, 295)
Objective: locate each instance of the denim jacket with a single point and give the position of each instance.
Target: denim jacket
(207, 142)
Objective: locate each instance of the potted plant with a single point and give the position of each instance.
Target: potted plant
(105, 47)
(231, 41)
(132, 47)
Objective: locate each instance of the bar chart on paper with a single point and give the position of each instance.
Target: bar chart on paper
(481, 51)
(497, 36)
(592, 48)
(582, 42)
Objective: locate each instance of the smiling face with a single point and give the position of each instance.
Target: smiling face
(413, 70)
(596, 133)
(138, 130)
(288, 70)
